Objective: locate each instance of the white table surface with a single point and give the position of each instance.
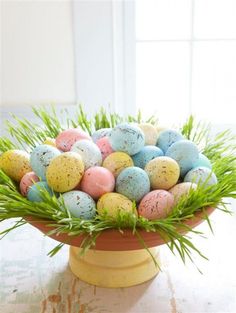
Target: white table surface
(32, 282)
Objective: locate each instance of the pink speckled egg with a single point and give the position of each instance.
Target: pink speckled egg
(156, 204)
(67, 138)
(97, 181)
(27, 181)
(104, 146)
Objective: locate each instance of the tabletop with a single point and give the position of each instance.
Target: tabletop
(32, 282)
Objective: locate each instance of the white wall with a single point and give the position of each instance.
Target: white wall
(37, 53)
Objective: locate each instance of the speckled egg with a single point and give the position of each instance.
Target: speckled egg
(27, 181)
(41, 157)
(145, 155)
(101, 133)
(34, 191)
(182, 190)
(65, 171)
(201, 175)
(133, 182)
(50, 141)
(80, 204)
(67, 138)
(157, 204)
(203, 161)
(127, 138)
(111, 203)
(15, 163)
(163, 172)
(97, 181)
(185, 152)
(89, 152)
(104, 146)
(117, 161)
(167, 137)
(150, 133)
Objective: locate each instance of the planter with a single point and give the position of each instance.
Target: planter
(118, 259)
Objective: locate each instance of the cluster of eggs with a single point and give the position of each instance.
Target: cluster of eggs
(108, 171)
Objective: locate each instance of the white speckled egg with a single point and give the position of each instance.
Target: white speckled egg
(156, 204)
(127, 138)
(203, 161)
(34, 194)
(65, 171)
(133, 182)
(202, 176)
(15, 163)
(89, 152)
(185, 153)
(163, 172)
(41, 157)
(146, 154)
(167, 137)
(182, 190)
(80, 204)
(150, 133)
(111, 203)
(100, 133)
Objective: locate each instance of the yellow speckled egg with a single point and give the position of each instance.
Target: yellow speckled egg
(50, 141)
(117, 161)
(15, 163)
(150, 133)
(163, 172)
(111, 203)
(182, 190)
(65, 171)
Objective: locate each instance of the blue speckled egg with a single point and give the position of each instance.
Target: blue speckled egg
(89, 152)
(201, 175)
(127, 138)
(100, 133)
(40, 158)
(167, 137)
(34, 191)
(80, 204)
(145, 155)
(133, 182)
(203, 161)
(185, 153)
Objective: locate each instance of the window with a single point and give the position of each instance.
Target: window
(186, 59)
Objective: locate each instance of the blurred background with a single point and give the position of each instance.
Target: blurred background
(167, 57)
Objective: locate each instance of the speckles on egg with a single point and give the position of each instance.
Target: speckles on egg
(27, 181)
(104, 146)
(89, 152)
(110, 204)
(150, 133)
(80, 204)
(101, 133)
(15, 163)
(117, 161)
(202, 176)
(41, 157)
(163, 172)
(67, 138)
(167, 137)
(65, 172)
(156, 204)
(127, 138)
(145, 155)
(133, 182)
(185, 152)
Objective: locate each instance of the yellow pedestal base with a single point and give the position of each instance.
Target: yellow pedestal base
(114, 269)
